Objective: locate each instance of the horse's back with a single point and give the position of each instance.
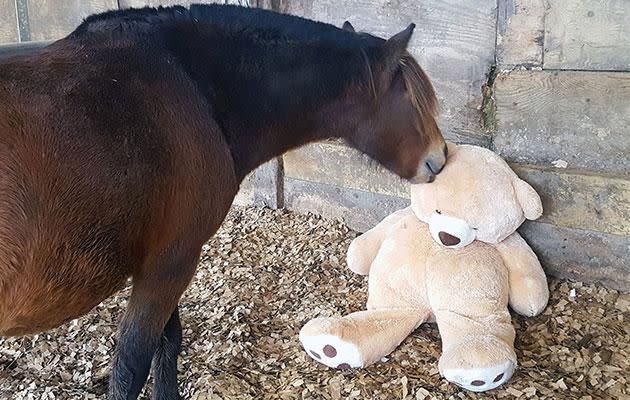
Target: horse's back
(102, 163)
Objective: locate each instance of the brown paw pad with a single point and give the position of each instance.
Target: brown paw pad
(498, 378)
(330, 351)
(343, 366)
(477, 383)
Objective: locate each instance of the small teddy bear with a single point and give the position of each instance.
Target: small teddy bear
(454, 258)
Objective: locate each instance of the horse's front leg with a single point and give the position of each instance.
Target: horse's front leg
(151, 327)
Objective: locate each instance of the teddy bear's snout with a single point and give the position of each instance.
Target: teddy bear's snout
(448, 239)
(449, 231)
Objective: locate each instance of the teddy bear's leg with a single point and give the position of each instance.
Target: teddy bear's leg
(359, 339)
(470, 307)
(478, 361)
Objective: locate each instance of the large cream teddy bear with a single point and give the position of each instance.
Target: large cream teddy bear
(454, 258)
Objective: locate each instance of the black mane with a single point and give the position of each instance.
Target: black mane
(140, 20)
(256, 23)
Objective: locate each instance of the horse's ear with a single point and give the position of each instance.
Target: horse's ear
(347, 26)
(396, 46)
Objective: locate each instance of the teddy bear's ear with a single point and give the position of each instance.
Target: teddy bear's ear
(528, 199)
(451, 147)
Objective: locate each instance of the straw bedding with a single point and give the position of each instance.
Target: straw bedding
(263, 276)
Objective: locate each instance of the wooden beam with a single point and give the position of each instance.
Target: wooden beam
(340, 165)
(588, 35)
(8, 22)
(15, 49)
(578, 117)
(520, 33)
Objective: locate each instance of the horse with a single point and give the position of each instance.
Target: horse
(123, 145)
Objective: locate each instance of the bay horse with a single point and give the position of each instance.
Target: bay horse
(123, 145)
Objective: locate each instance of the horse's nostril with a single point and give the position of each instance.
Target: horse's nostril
(448, 239)
(428, 169)
(435, 165)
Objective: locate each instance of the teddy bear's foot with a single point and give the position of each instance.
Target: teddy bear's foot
(332, 351)
(478, 363)
(480, 379)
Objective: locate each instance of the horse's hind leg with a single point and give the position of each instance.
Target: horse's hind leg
(165, 360)
(153, 302)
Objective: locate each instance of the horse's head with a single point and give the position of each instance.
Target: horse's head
(398, 111)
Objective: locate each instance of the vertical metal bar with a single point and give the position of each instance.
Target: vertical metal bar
(24, 26)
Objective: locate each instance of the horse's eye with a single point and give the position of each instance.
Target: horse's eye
(438, 211)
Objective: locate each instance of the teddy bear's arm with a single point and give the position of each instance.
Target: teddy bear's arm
(528, 284)
(364, 248)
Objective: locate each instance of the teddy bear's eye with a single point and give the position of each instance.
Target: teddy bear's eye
(438, 211)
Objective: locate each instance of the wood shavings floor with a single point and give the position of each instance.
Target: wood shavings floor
(263, 276)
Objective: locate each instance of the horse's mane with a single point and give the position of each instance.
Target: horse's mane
(265, 26)
(132, 20)
(253, 22)
(421, 91)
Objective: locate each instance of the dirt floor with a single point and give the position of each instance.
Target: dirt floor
(268, 272)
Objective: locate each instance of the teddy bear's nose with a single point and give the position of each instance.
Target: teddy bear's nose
(447, 239)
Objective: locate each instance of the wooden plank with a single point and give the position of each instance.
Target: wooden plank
(263, 186)
(342, 166)
(155, 3)
(520, 32)
(50, 19)
(573, 200)
(15, 49)
(582, 118)
(581, 254)
(359, 210)
(453, 41)
(8, 22)
(24, 26)
(588, 34)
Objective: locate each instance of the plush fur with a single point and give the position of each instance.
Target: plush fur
(454, 258)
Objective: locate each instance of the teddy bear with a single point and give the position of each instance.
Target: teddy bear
(453, 258)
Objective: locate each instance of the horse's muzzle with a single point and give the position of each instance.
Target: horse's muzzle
(430, 166)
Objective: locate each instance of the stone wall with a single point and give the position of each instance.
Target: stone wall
(545, 83)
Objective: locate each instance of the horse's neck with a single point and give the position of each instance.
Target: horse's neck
(252, 147)
(271, 99)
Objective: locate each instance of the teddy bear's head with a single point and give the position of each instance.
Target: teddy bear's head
(476, 196)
